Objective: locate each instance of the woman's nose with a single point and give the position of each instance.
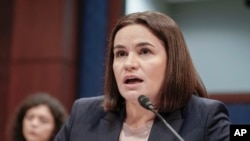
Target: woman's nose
(34, 122)
(131, 62)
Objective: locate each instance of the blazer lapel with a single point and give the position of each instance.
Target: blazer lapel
(160, 132)
(110, 126)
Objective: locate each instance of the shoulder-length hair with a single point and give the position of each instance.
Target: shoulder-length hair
(181, 78)
(56, 108)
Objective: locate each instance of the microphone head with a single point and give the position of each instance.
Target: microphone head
(145, 102)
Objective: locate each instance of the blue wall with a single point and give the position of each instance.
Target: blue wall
(239, 113)
(92, 46)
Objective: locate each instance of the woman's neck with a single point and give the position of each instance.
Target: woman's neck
(137, 115)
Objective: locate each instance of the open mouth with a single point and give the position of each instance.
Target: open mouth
(133, 81)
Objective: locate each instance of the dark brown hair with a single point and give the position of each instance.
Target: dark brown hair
(34, 100)
(181, 79)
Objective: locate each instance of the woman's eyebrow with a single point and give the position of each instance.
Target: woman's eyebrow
(144, 44)
(141, 44)
(118, 46)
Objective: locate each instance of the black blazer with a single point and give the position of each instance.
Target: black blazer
(201, 120)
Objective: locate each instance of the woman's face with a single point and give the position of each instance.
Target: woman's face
(139, 63)
(38, 124)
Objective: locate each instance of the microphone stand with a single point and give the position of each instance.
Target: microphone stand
(146, 103)
(166, 124)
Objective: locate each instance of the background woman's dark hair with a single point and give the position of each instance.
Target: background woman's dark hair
(54, 105)
(181, 79)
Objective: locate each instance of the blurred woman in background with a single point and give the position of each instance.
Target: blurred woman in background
(38, 118)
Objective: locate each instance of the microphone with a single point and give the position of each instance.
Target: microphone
(146, 103)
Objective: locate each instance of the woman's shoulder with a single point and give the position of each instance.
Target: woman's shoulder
(204, 111)
(88, 105)
(206, 105)
(89, 100)
(201, 101)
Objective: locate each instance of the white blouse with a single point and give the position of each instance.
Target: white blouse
(141, 133)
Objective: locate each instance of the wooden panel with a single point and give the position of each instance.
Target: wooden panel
(53, 77)
(43, 52)
(37, 29)
(116, 10)
(44, 29)
(5, 48)
(232, 97)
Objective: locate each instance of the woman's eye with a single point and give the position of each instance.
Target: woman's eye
(120, 53)
(29, 117)
(43, 120)
(145, 51)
